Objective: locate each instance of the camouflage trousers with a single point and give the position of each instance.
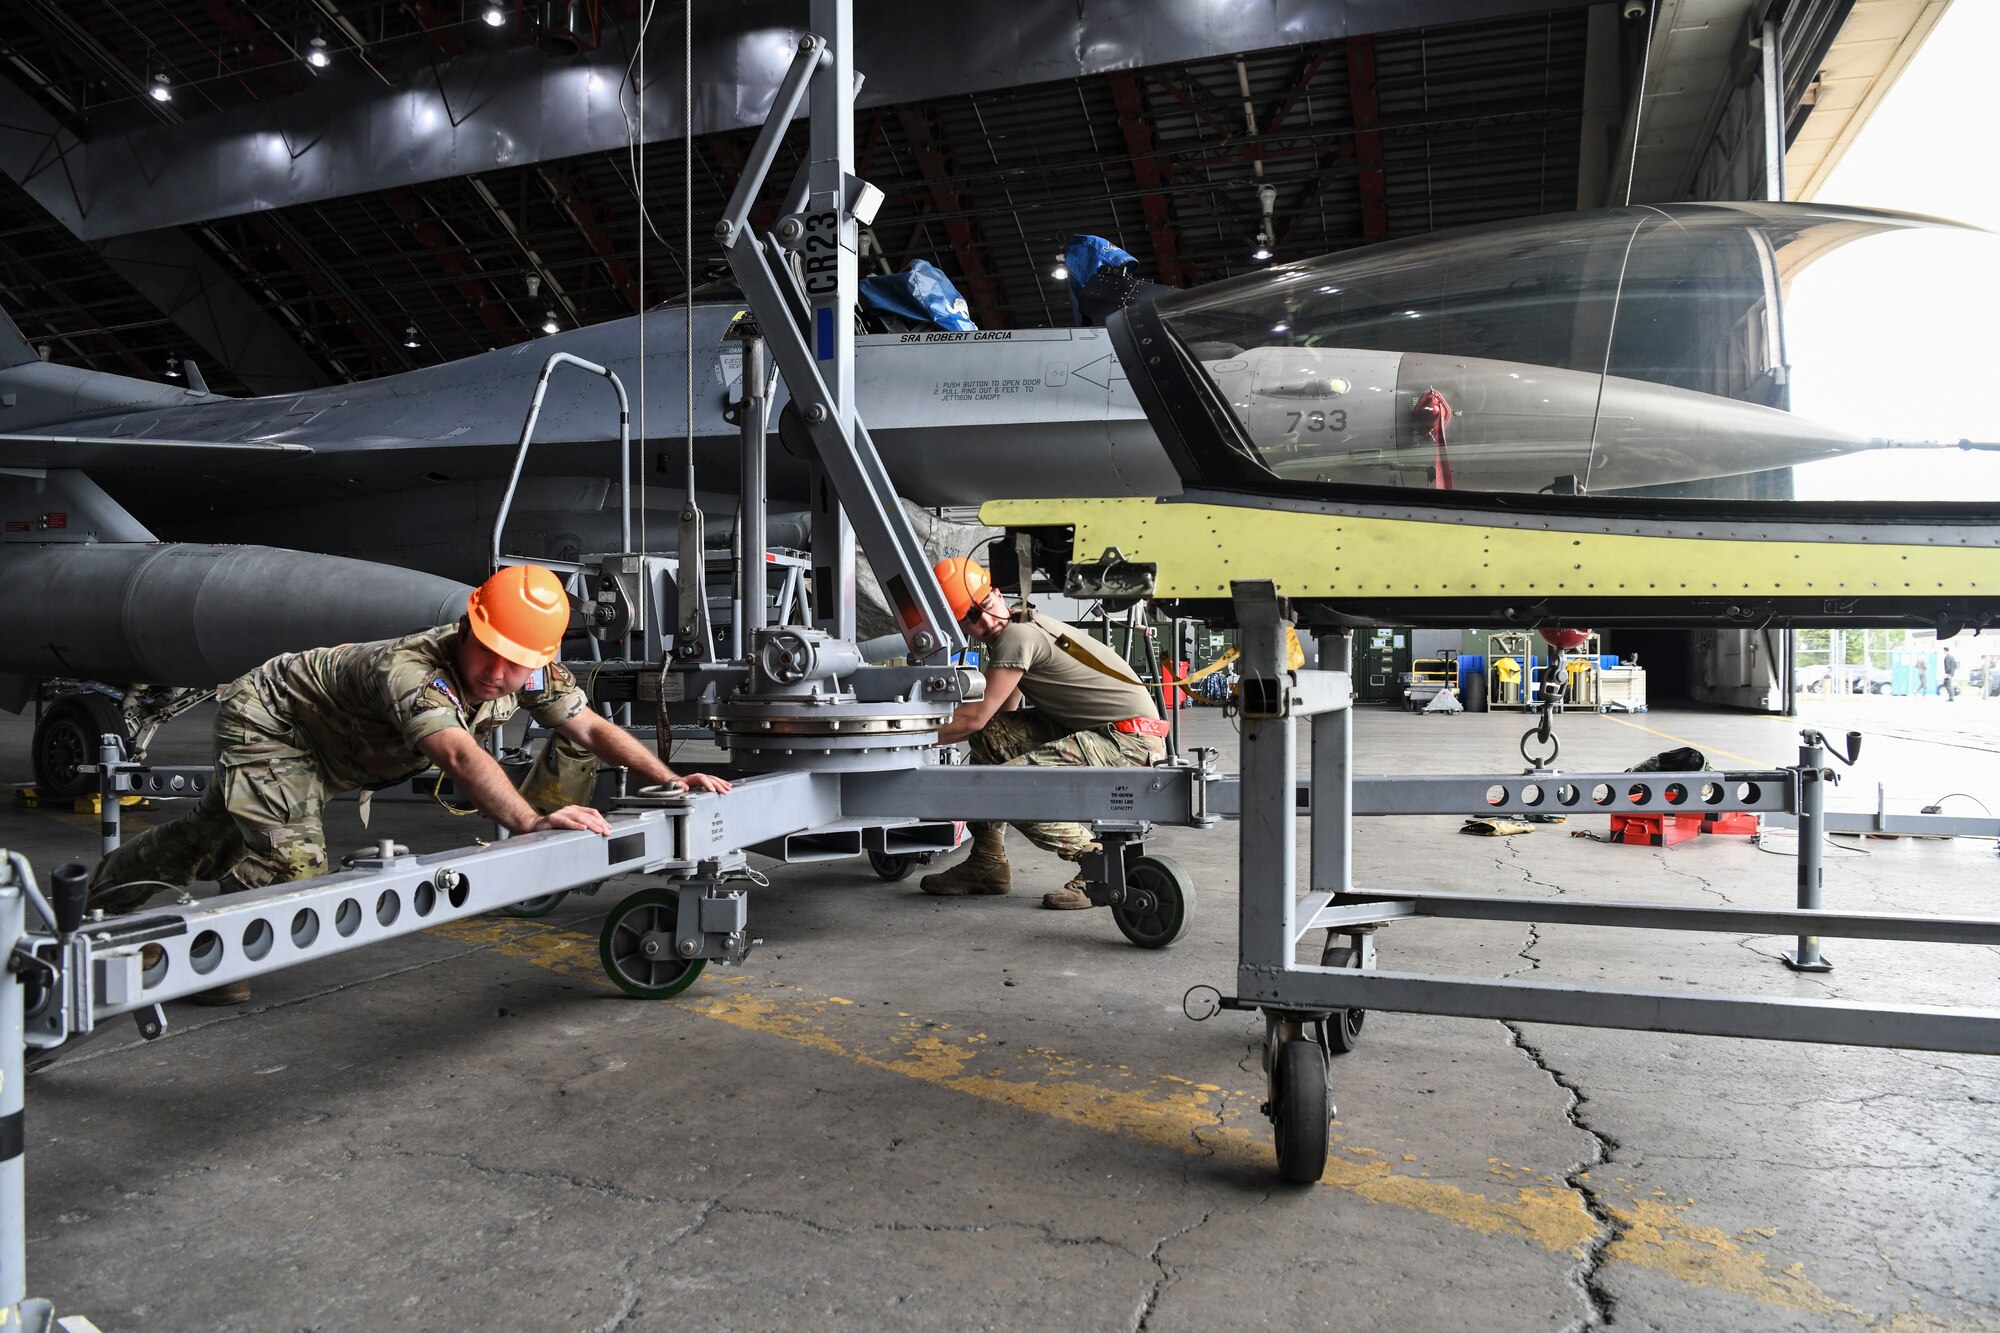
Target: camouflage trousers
(260, 821)
(1026, 736)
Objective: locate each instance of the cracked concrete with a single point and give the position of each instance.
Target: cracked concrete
(867, 1127)
(1143, 1319)
(1602, 1305)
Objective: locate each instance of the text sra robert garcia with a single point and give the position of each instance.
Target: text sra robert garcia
(982, 336)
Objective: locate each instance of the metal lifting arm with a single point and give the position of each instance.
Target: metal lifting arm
(848, 457)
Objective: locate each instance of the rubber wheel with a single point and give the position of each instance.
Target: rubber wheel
(67, 738)
(1159, 902)
(619, 947)
(1343, 1026)
(1299, 1112)
(892, 866)
(536, 907)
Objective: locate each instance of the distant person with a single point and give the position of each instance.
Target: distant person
(1947, 685)
(1923, 676)
(305, 727)
(1089, 709)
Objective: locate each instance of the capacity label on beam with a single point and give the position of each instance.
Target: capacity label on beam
(981, 391)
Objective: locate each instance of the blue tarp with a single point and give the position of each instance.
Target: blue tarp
(1083, 257)
(920, 292)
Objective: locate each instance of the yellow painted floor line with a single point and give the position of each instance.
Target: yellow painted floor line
(1194, 1117)
(1682, 740)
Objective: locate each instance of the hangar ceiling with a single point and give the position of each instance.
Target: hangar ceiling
(458, 184)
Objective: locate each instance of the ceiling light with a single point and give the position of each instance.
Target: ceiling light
(1281, 327)
(161, 89)
(494, 15)
(1060, 272)
(1263, 250)
(410, 338)
(316, 53)
(173, 366)
(549, 324)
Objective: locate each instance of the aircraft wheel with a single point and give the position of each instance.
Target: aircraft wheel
(1301, 1107)
(536, 907)
(637, 950)
(893, 866)
(1159, 902)
(67, 738)
(1343, 1026)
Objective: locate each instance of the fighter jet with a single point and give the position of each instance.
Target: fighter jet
(1585, 355)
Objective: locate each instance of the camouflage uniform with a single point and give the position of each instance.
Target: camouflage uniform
(1034, 738)
(304, 727)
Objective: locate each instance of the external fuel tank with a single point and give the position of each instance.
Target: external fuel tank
(171, 613)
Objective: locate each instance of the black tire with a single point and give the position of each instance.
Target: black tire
(1343, 1026)
(536, 907)
(892, 866)
(619, 947)
(66, 738)
(1299, 1111)
(1159, 902)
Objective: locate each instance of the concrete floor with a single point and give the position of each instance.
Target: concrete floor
(906, 1112)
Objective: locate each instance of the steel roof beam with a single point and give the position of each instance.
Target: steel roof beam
(1137, 126)
(515, 107)
(989, 304)
(1366, 102)
(593, 219)
(168, 268)
(448, 252)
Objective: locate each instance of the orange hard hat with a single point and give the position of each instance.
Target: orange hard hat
(965, 583)
(520, 613)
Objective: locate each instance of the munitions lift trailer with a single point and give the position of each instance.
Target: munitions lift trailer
(841, 743)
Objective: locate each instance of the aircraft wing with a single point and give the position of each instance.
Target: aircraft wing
(128, 451)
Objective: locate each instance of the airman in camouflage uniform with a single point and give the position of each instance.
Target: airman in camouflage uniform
(1089, 709)
(305, 727)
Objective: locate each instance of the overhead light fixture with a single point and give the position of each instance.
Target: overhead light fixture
(1060, 272)
(1263, 250)
(410, 338)
(159, 86)
(1281, 327)
(494, 15)
(173, 366)
(549, 324)
(316, 53)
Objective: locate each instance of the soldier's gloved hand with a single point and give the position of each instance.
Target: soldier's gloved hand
(705, 782)
(579, 817)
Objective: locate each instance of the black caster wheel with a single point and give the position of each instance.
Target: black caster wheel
(1159, 902)
(893, 866)
(1343, 1026)
(636, 947)
(536, 907)
(1300, 1111)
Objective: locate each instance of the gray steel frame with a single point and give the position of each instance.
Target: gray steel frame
(1275, 918)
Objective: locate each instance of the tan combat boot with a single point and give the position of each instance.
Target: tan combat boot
(984, 872)
(1071, 896)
